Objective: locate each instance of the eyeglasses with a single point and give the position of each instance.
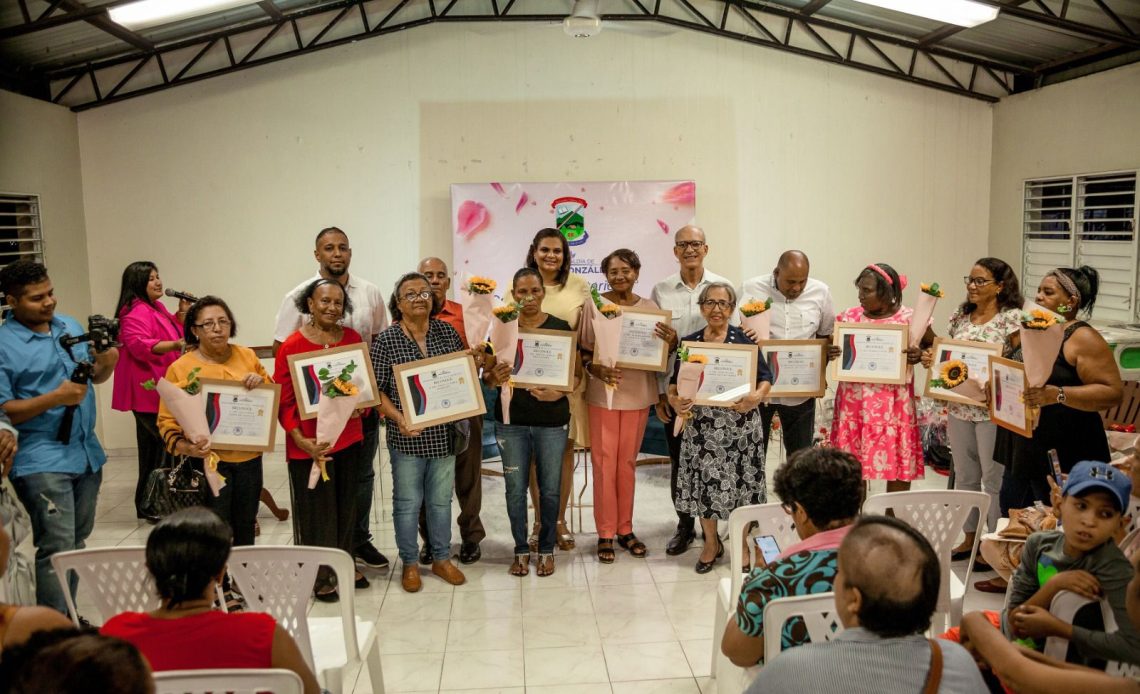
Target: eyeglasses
(976, 281)
(212, 325)
(712, 303)
(410, 297)
(694, 245)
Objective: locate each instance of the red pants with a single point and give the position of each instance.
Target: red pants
(615, 437)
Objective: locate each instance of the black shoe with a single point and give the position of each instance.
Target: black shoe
(425, 555)
(362, 582)
(370, 556)
(84, 624)
(469, 553)
(960, 556)
(680, 541)
(331, 596)
(703, 567)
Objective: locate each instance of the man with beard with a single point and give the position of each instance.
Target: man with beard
(368, 317)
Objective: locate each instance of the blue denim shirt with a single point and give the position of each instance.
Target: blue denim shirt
(32, 364)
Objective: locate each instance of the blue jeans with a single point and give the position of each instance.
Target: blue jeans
(62, 507)
(427, 482)
(517, 443)
(366, 477)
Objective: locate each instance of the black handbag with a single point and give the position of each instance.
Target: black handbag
(460, 436)
(170, 489)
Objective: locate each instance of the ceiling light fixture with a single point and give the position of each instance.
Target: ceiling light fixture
(148, 13)
(965, 13)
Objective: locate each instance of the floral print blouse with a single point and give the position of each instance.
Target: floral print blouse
(997, 331)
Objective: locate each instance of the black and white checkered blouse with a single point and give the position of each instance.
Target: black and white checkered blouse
(392, 347)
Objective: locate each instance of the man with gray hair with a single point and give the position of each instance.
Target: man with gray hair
(886, 590)
(801, 310)
(679, 294)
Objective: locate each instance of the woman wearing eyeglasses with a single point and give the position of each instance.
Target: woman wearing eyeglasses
(991, 313)
(722, 448)
(423, 460)
(209, 326)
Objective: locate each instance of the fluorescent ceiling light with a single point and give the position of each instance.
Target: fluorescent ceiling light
(149, 13)
(964, 13)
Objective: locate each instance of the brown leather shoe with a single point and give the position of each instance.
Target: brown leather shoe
(411, 579)
(448, 572)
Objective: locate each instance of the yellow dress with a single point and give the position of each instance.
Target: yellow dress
(566, 302)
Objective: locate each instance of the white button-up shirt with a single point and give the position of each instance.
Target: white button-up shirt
(809, 315)
(368, 316)
(673, 295)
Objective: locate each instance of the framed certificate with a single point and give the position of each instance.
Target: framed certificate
(545, 359)
(797, 366)
(1007, 396)
(240, 419)
(439, 389)
(640, 348)
(870, 353)
(976, 356)
(310, 370)
(730, 372)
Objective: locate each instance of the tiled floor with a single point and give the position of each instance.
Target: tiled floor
(638, 625)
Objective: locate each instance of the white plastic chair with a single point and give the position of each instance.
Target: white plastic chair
(250, 681)
(771, 519)
(279, 580)
(116, 578)
(1064, 607)
(940, 516)
(819, 615)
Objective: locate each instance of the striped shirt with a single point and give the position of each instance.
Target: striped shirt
(860, 662)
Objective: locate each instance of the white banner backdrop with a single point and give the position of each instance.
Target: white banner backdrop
(494, 223)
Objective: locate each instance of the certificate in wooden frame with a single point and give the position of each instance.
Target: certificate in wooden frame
(797, 350)
(969, 351)
(304, 368)
(1005, 373)
(640, 362)
(439, 390)
(723, 389)
(552, 365)
(241, 419)
(850, 367)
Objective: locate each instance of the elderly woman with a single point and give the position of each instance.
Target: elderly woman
(616, 433)
(151, 338)
(186, 555)
(324, 515)
(209, 326)
(822, 490)
(549, 255)
(876, 422)
(423, 460)
(722, 448)
(991, 313)
(537, 434)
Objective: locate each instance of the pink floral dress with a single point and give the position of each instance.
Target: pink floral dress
(876, 422)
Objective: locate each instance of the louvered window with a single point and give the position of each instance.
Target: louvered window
(20, 233)
(1084, 220)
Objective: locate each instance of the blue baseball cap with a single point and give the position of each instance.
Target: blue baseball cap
(1089, 474)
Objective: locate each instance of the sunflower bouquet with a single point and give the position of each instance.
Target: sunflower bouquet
(476, 298)
(192, 386)
(1040, 319)
(507, 312)
(932, 289)
(1042, 334)
(755, 317)
(923, 311)
(339, 397)
(954, 375)
(951, 374)
(480, 285)
(504, 341)
(690, 376)
(186, 403)
(607, 309)
(755, 307)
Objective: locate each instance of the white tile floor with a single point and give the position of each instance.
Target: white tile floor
(638, 625)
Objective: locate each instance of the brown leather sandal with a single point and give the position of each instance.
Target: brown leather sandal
(606, 551)
(521, 566)
(635, 546)
(545, 564)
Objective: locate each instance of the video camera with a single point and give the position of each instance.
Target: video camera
(102, 333)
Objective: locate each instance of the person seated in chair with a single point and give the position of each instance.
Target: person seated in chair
(886, 591)
(822, 489)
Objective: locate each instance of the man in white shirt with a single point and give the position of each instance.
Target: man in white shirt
(678, 293)
(801, 310)
(369, 318)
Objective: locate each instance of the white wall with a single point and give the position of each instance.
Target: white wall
(223, 183)
(1082, 126)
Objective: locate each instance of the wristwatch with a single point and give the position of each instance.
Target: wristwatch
(1061, 394)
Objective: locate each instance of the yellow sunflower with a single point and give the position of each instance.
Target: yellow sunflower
(954, 373)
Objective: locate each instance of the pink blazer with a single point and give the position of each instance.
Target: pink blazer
(141, 326)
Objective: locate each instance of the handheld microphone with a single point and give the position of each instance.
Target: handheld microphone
(185, 296)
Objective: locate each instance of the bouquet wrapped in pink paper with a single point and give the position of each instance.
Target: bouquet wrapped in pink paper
(954, 375)
(690, 375)
(478, 302)
(1042, 333)
(755, 316)
(504, 342)
(188, 406)
(606, 323)
(339, 396)
(924, 311)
